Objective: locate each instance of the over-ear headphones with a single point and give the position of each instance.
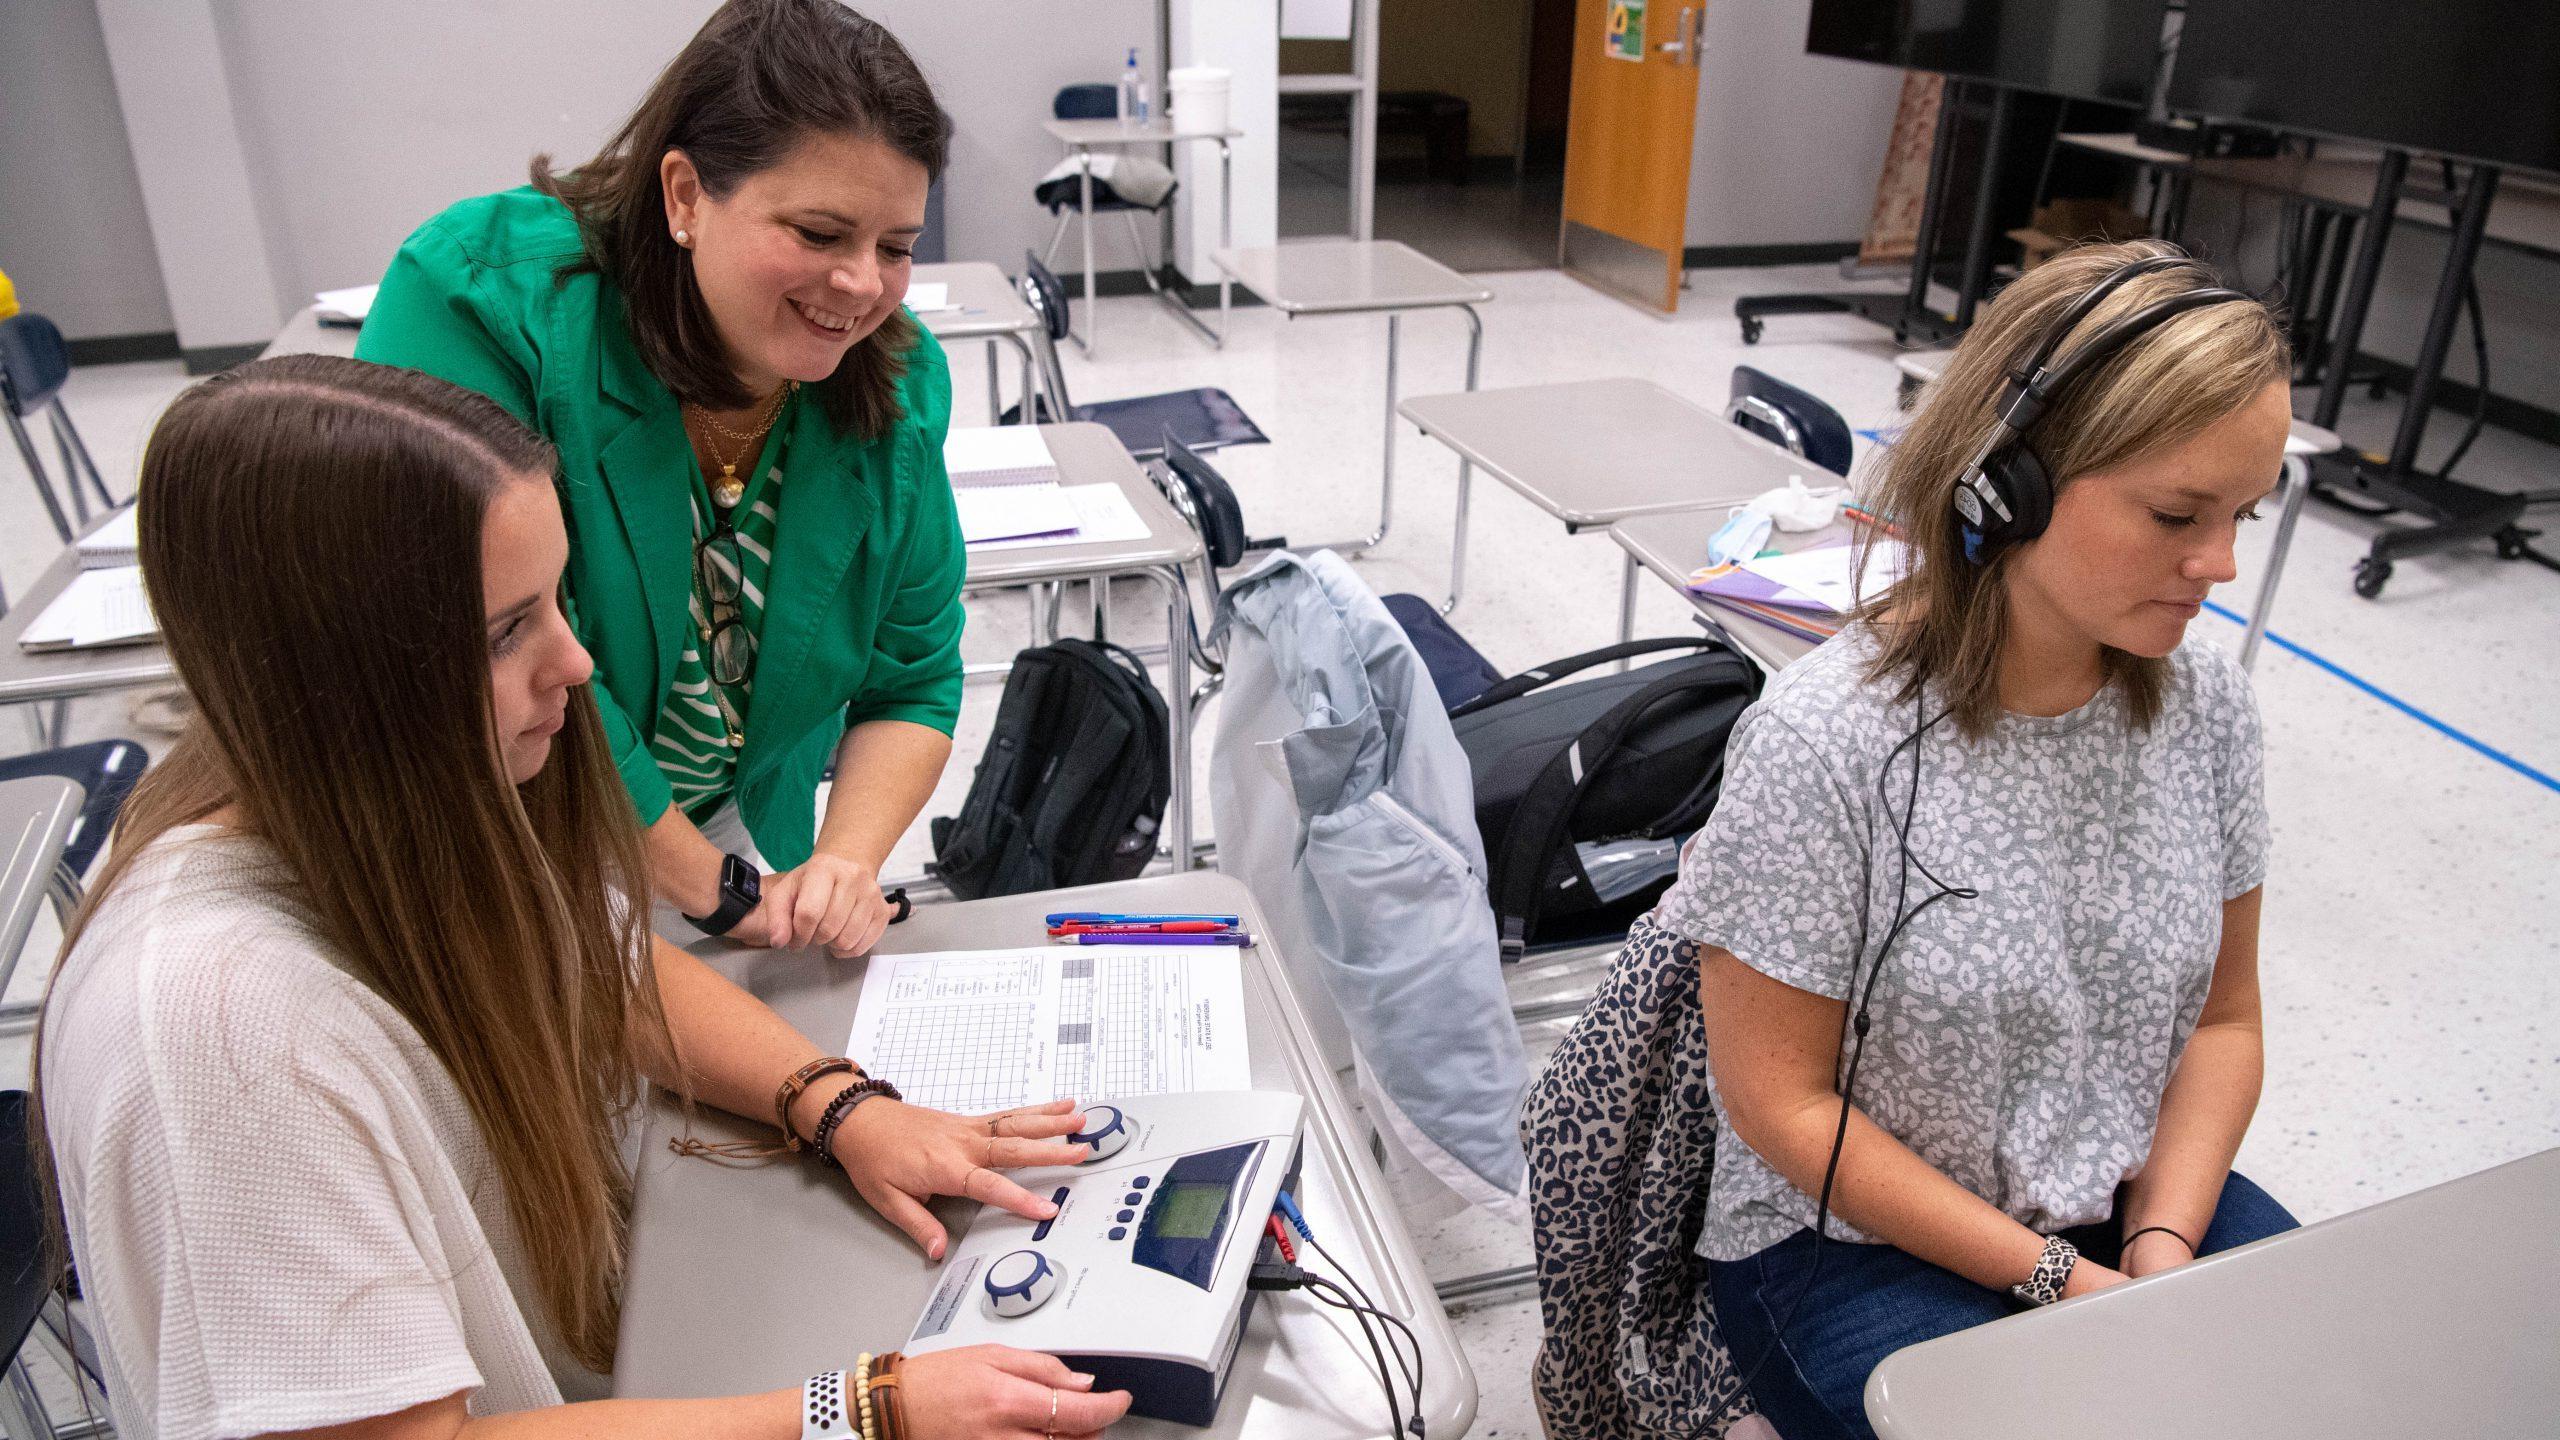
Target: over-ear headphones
(2005, 496)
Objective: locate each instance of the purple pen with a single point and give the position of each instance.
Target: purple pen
(1230, 938)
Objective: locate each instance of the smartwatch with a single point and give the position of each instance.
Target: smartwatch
(740, 888)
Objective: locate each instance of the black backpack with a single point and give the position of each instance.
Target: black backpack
(1633, 755)
(1073, 785)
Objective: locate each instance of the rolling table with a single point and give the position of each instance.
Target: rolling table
(987, 308)
(749, 1280)
(1594, 452)
(1082, 138)
(2430, 1315)
(1361, 277)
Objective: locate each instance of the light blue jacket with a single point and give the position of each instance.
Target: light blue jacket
(1342, 800)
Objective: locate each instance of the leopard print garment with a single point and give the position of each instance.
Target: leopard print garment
(1621, 1138)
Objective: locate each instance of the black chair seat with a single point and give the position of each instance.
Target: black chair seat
(1205, 419)
(106, 769)
(1822, 436)
(34, 361)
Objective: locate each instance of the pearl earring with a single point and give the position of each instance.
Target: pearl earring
(683, 239)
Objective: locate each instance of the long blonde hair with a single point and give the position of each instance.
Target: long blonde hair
(1944, 624)
(311, 528)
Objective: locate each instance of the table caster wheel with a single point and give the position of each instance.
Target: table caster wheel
(1750, 331)
(2371, 576)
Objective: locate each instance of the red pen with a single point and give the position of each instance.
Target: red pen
(1152, 927)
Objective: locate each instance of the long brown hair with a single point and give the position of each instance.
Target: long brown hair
(756, 80)
(311, 534)
(1945, 623)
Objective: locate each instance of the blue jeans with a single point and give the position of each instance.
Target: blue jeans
(1871, 1300)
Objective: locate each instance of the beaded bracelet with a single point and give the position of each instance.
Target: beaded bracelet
(862, 1396)
(841, 1106)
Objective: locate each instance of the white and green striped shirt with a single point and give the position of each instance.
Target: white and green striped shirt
(694, 746)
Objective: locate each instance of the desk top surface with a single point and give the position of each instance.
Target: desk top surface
(719, 1305)
(1089, 454)
(1126, 132)
(989, 305)
(2432, 1314)
(36, 815)
(1593, 452)
(1321, 277)
(1672, 546)
(60, 674)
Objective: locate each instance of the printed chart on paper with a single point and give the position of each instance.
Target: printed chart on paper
(971, 1031)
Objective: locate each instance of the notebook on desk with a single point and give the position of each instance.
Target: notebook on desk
(985, 455)
(98, 608)
(115, 544)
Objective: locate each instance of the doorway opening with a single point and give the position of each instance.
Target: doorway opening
(1472, 98)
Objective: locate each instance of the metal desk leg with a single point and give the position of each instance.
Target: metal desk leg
(1030, 412)
(1084, 191)
(1177, 664)
(2297, 484)
(1387, 455)
(995, 395)
(1627, 605)
(1226, 236)
(1466, 471)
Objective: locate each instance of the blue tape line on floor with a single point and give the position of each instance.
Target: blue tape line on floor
(2547, 782)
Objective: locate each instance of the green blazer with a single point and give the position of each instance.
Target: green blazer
(862, 618)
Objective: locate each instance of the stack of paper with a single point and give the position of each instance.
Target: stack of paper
(929, 298)
(1102, 513)
(998, 455)
(1014, 512)
(98, 607)
(116, 543)
(345, 307)
(1804, 593)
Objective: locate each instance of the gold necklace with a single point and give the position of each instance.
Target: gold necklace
(728, 489)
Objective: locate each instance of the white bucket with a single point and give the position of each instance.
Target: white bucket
(1196, 97)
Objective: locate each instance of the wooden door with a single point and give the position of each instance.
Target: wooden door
(1626, 160)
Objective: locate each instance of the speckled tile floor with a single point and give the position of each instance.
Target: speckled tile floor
(2412, 940)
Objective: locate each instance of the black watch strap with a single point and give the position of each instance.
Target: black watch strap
(741, 886)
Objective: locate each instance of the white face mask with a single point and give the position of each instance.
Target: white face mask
(1792, 508)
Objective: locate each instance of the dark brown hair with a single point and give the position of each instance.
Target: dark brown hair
(1947, 620)
(311, 529)
(758, 78)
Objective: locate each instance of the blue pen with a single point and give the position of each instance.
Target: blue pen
(1105, 917)
(1233, 937)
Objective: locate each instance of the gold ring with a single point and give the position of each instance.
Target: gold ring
(1051, 1433)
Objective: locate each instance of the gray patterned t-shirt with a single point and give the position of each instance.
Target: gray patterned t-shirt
(2021, 1040)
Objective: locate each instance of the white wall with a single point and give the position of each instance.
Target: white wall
(73, 235)
(1788, 145)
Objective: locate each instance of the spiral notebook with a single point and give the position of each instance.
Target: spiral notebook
(987, 455)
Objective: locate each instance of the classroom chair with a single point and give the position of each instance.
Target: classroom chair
(106, 772)
(1786, 415)
(1062, 198)
(1205, 419)
(32, 1305)
(34, 362)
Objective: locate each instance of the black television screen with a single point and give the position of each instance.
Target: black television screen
(2476, 79)
(2084, 49)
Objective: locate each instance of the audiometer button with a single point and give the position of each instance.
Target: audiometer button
(1106, 1130)
(1058, 1198)
(1125, 1216)
(1133, 1198)
(1118, 1233)
(1138, 1184)
(1020, 1282)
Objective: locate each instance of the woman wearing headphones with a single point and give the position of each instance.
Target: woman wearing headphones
(765, 559)
(2011, 822)
(337, 1071)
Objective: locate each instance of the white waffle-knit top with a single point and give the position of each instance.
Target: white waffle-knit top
(282, 1211)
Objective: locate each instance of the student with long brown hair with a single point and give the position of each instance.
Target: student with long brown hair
(1976, 918)
(338, 1064)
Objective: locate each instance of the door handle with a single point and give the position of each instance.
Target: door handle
(1684, 50)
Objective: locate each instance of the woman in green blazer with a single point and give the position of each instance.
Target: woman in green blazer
(766, 561)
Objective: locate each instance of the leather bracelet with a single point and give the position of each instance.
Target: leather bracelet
(843, 1105)
(889, 1395)
(823, 1415)
(2161, 1229)
(798, 1082)
(2053, 1271)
